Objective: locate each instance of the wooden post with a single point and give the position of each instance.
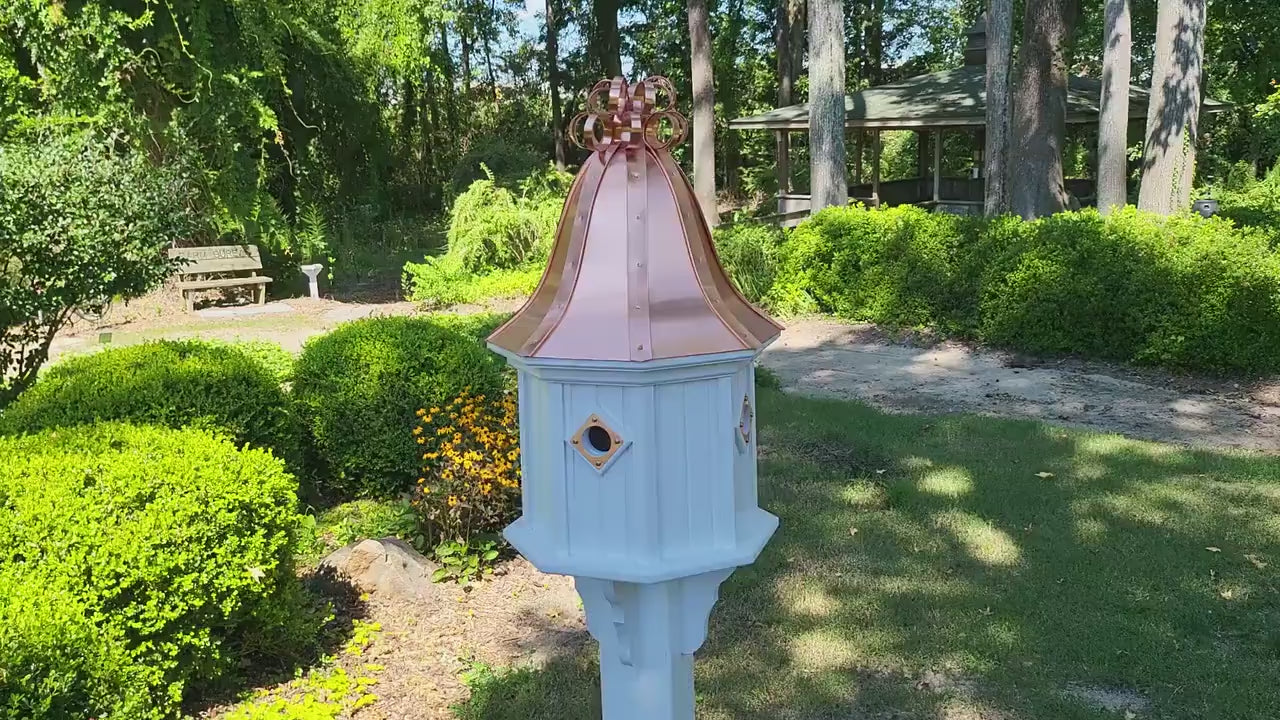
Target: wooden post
(783, 142)
(937, 165)
(859, 140)
(875, 168)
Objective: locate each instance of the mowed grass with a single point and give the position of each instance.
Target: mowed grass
(963, 567)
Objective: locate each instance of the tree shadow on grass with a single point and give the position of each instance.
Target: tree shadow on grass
(961, 567)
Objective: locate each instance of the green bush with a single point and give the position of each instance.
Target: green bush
(889, 266)
(491, 228)
(81, 224)
(139, 566)
(749, 254)
(171, 383)
(358, 389)
(442, 282)
(1182, 292)
(498, 158)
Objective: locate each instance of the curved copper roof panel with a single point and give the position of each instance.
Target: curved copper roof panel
(633, 274)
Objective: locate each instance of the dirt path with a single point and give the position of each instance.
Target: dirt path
(822, 357)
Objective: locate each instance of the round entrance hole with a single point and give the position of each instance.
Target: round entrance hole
(599, 440)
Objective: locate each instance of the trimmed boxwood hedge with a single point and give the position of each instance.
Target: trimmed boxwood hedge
(138, 565)
(358, 388)
(173, 383)
(1182, 292)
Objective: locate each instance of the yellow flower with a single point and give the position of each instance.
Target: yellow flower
(453, 501)
(422, 441)
(417, 431)
(421, 412)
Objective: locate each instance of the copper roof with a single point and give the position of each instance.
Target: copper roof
(633, 274)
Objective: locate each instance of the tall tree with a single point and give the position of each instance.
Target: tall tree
(729, 59)
(1169, 156)
(704, 106)
(827, 185)
(1113, 113)
(604, 37)
(999, 61)
(1040, 109)
(788, 34)
(553, 80)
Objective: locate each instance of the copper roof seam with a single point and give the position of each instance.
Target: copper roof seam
(667, 163)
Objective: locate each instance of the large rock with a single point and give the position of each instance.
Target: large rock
(388, 567)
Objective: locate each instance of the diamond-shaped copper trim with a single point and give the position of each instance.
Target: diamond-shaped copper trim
(744, 421)
(583, 446)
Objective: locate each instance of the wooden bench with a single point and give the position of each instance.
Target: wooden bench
(198, 264)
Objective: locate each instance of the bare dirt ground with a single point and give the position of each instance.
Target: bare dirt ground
(521, 617)
(922, 374)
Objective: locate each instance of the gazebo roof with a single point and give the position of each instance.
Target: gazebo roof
(951, 98)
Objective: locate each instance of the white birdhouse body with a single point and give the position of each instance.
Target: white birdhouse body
(639, 472)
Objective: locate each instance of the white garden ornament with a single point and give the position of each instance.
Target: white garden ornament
(637, 407)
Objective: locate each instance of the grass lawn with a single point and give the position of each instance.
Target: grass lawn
(931, 567)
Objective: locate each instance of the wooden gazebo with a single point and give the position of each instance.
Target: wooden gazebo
(930, 105)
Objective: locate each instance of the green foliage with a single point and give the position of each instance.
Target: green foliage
(465, 561)
(497, 159)
(1253, 203)
(173, 383)
(322, 694)
(749, 254)
(358, 387)
(441, 283)
(348, 522)
(145, 564)
(80, 225)
(1182, 292)
(491, 228)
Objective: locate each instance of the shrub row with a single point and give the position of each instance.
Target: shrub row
(137, 564)
(1183, 292)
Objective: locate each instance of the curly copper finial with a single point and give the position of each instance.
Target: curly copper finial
(619, 115)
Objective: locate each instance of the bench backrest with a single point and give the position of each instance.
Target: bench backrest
(217, 259)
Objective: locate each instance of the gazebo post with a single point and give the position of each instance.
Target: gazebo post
(937, 166)
(858, 139)
(875, 167)
(783, 161)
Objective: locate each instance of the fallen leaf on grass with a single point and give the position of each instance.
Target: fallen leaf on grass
(986, 611)
(1257, 561)
(853, 531)
(1213, 549)
(1044, 475)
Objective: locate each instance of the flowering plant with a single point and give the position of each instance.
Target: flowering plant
(470, 483)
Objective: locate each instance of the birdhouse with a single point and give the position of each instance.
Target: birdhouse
(635, 359)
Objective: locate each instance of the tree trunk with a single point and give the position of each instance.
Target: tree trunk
(996, 151)
(553, 81)
(873, 43)
(605, 41)
(1040, 109)
(799, 25)
(786, 81)
(704, 105)
(466, 63)
(730, 102)
(1113, 113)
(488, 60)
(826, 104)
(1168, 162)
